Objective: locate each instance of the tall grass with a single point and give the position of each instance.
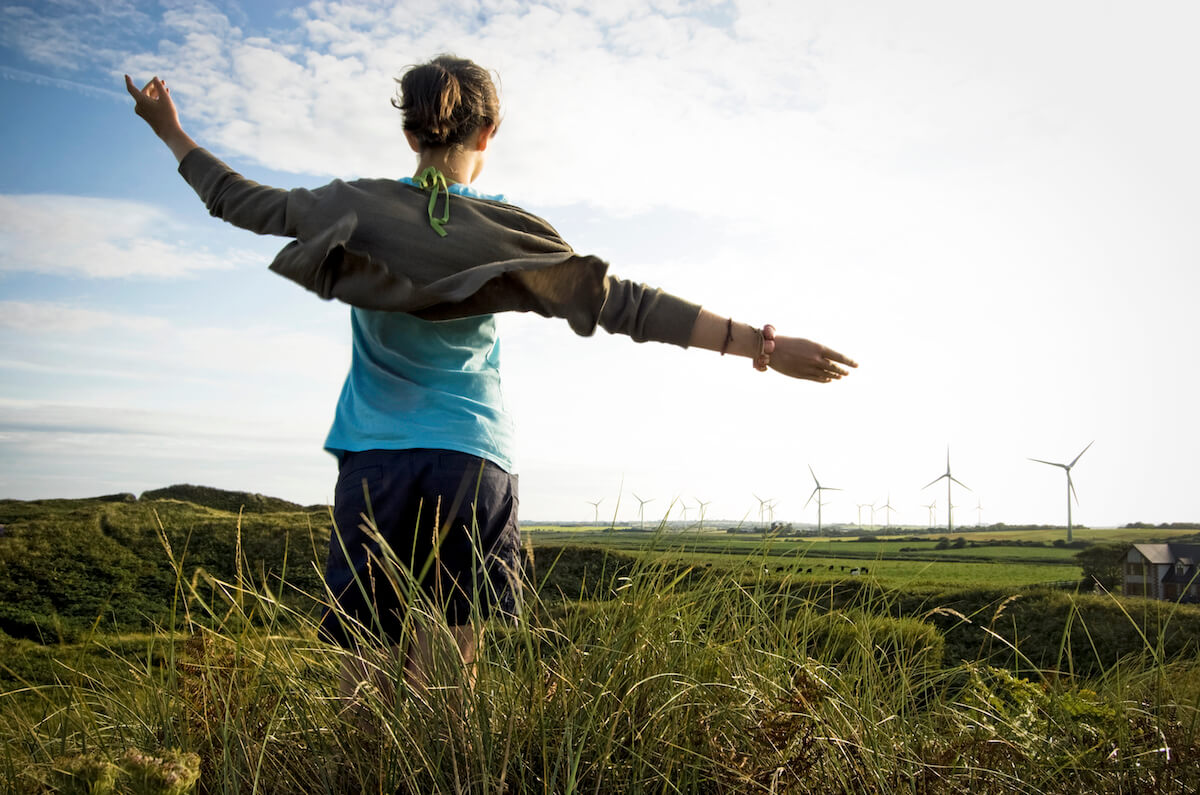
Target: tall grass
(659, 678)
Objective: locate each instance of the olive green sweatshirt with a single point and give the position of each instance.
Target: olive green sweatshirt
(370, 244)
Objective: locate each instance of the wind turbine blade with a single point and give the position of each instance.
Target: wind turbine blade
(1051, 463)
(935, 480)
(1081, 452)
(1071, 486)
(959, 482)
(810, 497)
(814, 476)
(831, 488)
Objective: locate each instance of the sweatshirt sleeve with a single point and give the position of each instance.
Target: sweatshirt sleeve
(502, 260)
(647, 314)
(240, 201)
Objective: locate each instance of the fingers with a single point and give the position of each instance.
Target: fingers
(833, 355)
(155, 89)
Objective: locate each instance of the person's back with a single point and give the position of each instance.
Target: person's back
(421, 435)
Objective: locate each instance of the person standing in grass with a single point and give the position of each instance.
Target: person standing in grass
(421, 435)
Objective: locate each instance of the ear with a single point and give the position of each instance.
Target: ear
(484, 137)
(413, 143)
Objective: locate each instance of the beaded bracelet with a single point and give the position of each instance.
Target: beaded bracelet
(766, 346)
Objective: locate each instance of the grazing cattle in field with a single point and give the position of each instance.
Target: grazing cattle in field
(809, 570)
(831, 567)
(853, 572)
(865, 570)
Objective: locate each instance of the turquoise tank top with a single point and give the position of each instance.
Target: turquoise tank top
(423, 384)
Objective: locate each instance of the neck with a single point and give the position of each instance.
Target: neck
(455, 163)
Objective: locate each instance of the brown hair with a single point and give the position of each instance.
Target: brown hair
(446, 99)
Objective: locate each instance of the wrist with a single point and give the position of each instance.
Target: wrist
(179, 142)
(753, 343)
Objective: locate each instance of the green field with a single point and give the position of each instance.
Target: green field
(896, 562)
(175, 651)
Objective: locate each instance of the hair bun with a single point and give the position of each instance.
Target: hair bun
(446, 99)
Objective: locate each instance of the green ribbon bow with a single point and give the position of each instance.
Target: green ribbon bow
(433, 180)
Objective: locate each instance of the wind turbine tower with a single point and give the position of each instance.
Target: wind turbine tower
(887, 511)
(949, 502)
(932, 509)
(1070, 485)
(816, 492)
(642, 509)
(762, 507)
(596, 506)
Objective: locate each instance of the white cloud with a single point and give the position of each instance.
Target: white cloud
(9, 73)
(681, 104)
(105, 238)
(71, 34)
(91, 418)
(46, 317)
(52, 337)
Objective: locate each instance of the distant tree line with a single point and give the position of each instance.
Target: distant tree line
(1162, 526)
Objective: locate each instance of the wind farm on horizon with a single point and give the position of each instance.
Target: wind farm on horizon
(764, 508)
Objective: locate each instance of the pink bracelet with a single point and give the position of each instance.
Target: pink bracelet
(766, 346)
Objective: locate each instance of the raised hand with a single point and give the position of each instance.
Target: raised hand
(154, 104)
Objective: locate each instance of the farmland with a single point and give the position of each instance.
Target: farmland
(178, 642)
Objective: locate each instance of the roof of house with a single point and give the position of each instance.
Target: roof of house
(1168, 553)
(1186, 577)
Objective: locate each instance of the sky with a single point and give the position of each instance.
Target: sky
(990, 206)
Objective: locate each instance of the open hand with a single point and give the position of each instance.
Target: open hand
(800, 358)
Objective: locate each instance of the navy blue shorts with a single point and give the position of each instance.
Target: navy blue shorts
(450, 520)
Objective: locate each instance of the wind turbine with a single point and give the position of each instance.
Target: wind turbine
(949, 502)
(642, 509)
(816, 492)
(762, 506)
(979, 513)
(701, 506)
(932, 509)
(860, 506)
(887, 511)
(1070, 485)
(596, 505)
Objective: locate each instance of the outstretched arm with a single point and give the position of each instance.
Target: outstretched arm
(792, 356)
(153, 103)
(227, 194)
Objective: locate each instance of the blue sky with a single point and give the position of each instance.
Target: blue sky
(990, 206)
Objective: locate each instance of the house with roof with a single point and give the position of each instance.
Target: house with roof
(1162, 571)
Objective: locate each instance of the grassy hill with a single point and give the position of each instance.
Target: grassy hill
(164, 645)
